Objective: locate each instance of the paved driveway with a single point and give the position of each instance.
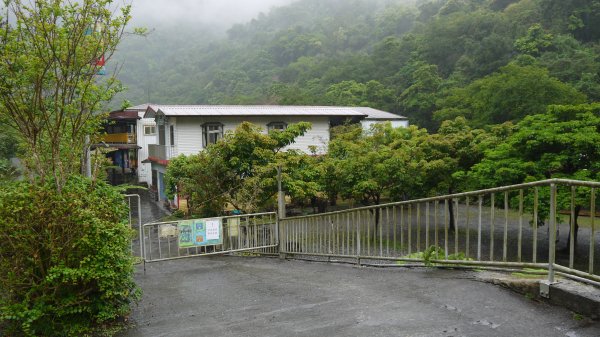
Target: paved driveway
(237, 296)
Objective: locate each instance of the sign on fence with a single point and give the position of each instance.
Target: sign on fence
(200, 232)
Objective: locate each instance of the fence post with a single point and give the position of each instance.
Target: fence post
(545, 285)
(280, 214)
(552, 243)
(358, 252)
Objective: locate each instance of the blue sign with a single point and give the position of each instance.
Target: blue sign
(200, 232)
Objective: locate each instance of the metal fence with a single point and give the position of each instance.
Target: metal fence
(519, 226)
(251, 233)
(134, 203)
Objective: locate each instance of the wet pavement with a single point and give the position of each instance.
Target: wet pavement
(151, 210)
(246, 296)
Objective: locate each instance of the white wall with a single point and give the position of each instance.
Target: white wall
(188, 131)
(366, 124)
(144, 170)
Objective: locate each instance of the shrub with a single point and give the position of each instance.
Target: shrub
(65, 264)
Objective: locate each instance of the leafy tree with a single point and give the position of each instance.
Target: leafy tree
(351, 93)
(508, 95)
(239, 170)
(561, 143)
(49, 91)
(450, 154)
(418, 100)
(535, 41)
(65, 258)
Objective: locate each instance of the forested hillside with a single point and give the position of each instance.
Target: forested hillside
(490, 61)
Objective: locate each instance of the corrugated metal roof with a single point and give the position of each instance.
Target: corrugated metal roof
(379, 115)
(252, 110)
(140, 107)
(268, 110)
(119, 115)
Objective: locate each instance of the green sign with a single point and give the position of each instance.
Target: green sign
(200, 232)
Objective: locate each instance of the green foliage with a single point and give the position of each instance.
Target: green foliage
(239, 170)
(8, 150)
(420, 60)
(49, 92)
(436, 253)
(65, 258)
(535, 41)
(561, 143)
(508, 95)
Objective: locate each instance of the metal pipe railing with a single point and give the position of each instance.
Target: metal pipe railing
(170, 240)
(397, 231)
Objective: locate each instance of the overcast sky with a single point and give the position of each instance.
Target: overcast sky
(216, 12)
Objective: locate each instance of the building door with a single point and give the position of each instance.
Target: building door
(162, 192)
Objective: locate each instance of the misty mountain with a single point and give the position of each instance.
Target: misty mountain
(408, 57)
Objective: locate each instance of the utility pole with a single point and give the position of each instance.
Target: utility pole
(280, 195)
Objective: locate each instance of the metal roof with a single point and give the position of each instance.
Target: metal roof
(140, 107)
(123, 115)
(379, 115)
(257, 110)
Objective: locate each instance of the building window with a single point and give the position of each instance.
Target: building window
(172, 135)
(212, 133)
(277, 126)
(149, 130)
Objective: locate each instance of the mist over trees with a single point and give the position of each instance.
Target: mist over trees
(416, 58)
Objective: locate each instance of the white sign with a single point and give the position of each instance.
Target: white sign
(212, 230)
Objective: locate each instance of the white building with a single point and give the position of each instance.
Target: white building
(375, 116)
(187, 129)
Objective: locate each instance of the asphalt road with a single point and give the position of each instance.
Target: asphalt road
(245, 296)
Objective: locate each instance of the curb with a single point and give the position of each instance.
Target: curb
(577, 297)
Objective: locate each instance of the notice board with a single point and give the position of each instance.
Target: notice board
(200, 232)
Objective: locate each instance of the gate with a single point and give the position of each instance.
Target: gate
(134, 203)
(253, 233)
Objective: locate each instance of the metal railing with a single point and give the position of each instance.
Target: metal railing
(253, 233)
(161, 152)
(120, 138)
(518, 226)
(135, 222)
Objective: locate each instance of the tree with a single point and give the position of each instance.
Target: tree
(66, 263)
(535, 41)
(418, 100)
(239, 170)
(50, 54)
(561, 143)
(351, 93)
(508, 95)
(450, 154)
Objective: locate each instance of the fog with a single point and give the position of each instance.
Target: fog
(218, 13)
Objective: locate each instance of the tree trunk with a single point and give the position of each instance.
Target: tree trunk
(574, 222)
(376, 211)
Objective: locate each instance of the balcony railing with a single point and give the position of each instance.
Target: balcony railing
(120, 138)
(161, 152)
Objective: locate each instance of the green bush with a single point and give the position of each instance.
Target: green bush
(65, 263)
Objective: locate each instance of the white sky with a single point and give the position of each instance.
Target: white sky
(216, 12)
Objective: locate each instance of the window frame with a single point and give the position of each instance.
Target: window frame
(206, 132)
(271, 126)
(152, 127)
